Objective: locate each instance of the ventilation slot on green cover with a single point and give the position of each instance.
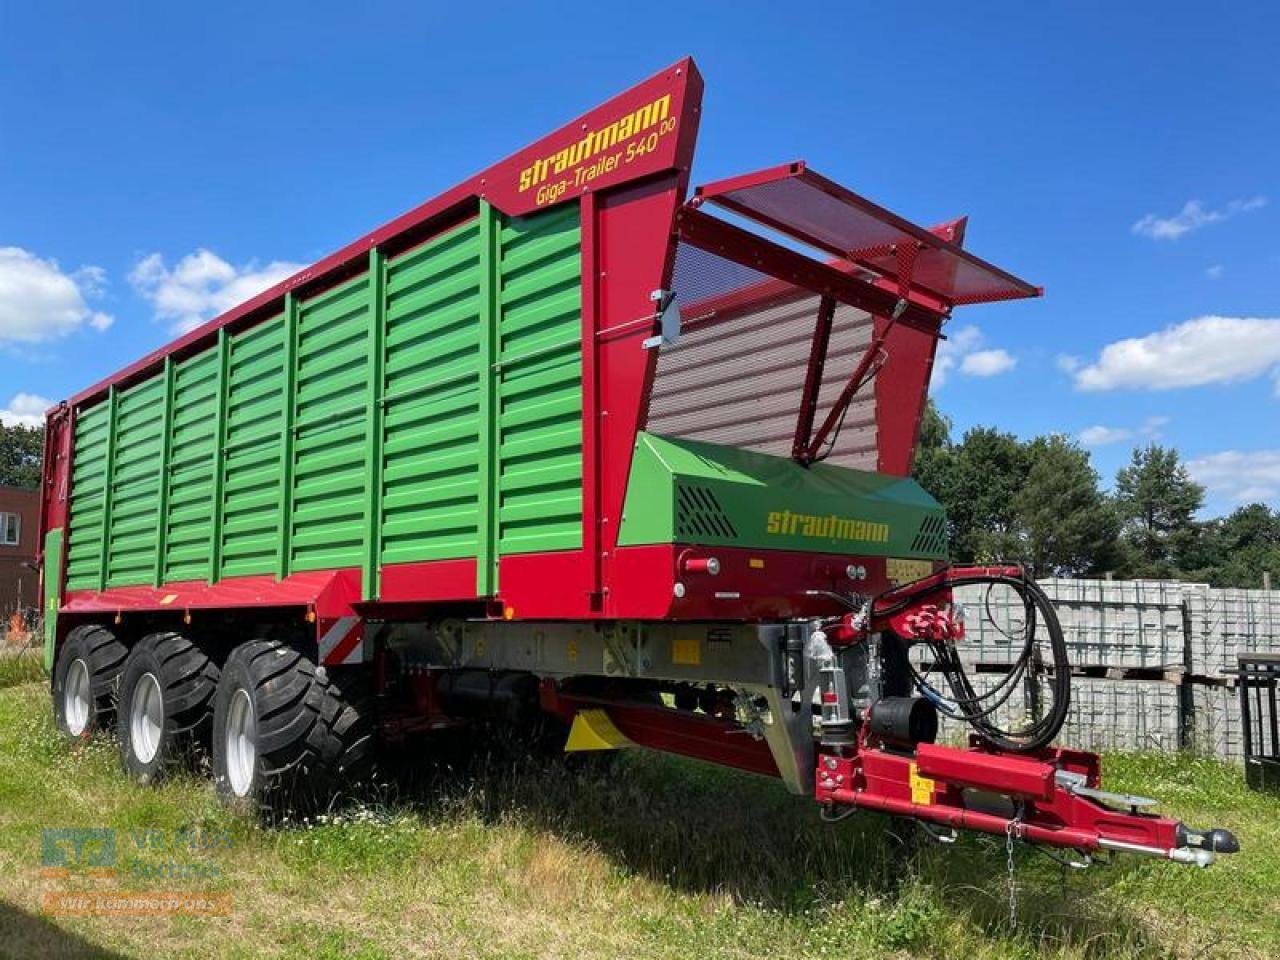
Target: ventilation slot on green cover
(699, 515)
(932, 536)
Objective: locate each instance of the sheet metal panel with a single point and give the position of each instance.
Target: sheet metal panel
(539, 384)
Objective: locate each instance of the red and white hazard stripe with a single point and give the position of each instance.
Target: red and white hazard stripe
(341, 641)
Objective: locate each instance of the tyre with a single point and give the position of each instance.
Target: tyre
(86, 680)
(287, 738)
(166, 705)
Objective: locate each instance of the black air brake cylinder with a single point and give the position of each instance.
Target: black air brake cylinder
(904, 721)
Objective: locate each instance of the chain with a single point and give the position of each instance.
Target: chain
(1012, 829)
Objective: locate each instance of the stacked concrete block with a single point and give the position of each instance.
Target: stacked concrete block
(1216, 729)
(1226, 623)
(1104, 714)
(1128, 624)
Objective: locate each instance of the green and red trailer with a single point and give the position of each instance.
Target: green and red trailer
(621, 462)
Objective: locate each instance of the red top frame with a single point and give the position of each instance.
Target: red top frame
(810, 208)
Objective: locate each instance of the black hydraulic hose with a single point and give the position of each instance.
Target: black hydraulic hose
(978, 709)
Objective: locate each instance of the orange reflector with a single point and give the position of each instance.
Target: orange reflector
(508, 613)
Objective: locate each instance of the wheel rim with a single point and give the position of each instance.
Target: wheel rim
(146, 718)
(75, 698)
(241, 743)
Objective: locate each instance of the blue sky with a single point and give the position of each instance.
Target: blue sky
(158, 162)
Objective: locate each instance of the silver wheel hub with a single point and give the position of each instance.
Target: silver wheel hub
(75, 698)
(241, 743)
(146, 718)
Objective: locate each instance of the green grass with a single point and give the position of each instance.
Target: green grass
(21, 667)
(658, 858)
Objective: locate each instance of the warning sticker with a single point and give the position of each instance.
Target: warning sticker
(921, 788)
(898, 570)
(686, 651)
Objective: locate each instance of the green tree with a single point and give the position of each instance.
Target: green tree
(21, 453)
(935, 458)
(1247, 544)
(1157, 500)
(990, 468)
(1068, 526)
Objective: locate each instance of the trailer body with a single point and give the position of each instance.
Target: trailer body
(451, 408)
(560, 437)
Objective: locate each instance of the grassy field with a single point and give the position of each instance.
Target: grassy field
(660, 858)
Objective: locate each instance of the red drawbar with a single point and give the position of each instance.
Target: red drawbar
(986, 771)
(937, 785)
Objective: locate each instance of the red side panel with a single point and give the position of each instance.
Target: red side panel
(901, 395)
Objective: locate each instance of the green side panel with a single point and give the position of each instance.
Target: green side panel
(134, 487)
(539, 384)
(330, 429)
(251, 456)
(429, 410)
(52, 566)
(682, 491)
(88, 498)
(431, 404)
(192, 459)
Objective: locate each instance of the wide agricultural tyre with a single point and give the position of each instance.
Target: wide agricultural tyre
(86, 680)
(287, 738)
(166, 705)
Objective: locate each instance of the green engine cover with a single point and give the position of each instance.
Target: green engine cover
(683, 491)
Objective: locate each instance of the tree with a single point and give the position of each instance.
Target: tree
(1247, 543)
(21, 454)
(934, 459)
(1067, 524)
(990, 468)
(1158, 501)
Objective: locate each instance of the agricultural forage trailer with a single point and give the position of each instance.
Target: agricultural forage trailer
(574, 449)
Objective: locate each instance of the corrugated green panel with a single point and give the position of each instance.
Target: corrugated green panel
(274, 470)
(135, 484)
(191, 464)
(540, 384)
(330, 429)
(88, 488)
(431, 424)
(251, 456)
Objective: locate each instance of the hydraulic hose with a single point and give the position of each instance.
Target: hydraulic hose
(980, 710)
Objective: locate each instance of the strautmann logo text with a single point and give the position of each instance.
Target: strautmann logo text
(785, 523)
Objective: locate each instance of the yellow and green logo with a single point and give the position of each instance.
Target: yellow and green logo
(785, 523)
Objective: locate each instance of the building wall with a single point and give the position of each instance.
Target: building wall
(19, 584)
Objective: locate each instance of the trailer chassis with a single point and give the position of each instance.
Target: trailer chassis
(798, 702)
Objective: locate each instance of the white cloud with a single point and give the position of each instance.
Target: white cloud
(1190, 354)
(960, 350)
(202, 285)
(988, 363)
(1215, 272)
(1153, 427)
(1239, 476)
(1100, 436)
(25, 410)
(1193, 216)
(1068, 363)
(40, 303)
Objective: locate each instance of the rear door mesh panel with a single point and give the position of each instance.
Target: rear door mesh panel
(737, 374)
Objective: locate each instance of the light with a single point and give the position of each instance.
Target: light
(678, 590)
(708, 565)
(856, 572)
